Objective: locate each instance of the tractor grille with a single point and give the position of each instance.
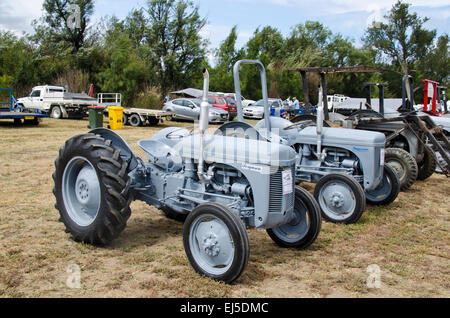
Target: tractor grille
(276, 195)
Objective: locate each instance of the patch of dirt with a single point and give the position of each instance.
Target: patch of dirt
(408, 241)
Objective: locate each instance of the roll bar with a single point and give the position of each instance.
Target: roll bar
(265, 95)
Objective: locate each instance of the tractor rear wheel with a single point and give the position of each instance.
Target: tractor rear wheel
(387, 191)
(216, 242)
(305, 225)
(92, 189)
(404, 165)
(429, 164)
(341, 198)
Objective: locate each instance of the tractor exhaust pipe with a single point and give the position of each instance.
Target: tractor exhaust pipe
(320, 118)
(204, 125)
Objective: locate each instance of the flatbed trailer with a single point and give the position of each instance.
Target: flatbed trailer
(140, 117)
(10, 109)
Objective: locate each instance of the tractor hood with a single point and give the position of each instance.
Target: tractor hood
(331, 136)
(231, 150)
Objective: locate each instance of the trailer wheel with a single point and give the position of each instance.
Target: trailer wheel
(341, 198)
(92, 189)
(216, 242)
(387, 192)
(32, 122)
(125, 119)
(153, 121)
(56, 112)
(404, 165)
(305, 226)
(429, 164)
(135, 120)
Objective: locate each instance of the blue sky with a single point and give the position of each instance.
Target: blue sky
(348, 17)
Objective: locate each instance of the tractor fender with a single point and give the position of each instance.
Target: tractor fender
(119, 143)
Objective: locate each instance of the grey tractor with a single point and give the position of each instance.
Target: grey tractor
(223, 185)
(347, 166)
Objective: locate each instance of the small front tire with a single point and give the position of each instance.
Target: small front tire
(305, 226)
(216, 242)
(341, 198)
(387, 192)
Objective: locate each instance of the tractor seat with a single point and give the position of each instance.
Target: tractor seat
(162, 155)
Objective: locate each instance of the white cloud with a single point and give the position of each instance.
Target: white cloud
(16, 15)
(218, 33)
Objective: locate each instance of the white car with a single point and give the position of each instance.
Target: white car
(245, 102)
(256, 111)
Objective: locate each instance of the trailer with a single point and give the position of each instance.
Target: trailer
(140, 117)
(133, 116)
(10, 109)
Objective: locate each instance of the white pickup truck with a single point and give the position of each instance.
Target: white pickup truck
(56, 101)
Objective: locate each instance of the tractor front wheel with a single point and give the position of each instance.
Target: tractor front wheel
(387, 191)
(341, 198)
(216, 242)
(305, 225)
(92, 189)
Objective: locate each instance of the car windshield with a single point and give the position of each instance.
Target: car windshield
(197, 102)
(260, 103)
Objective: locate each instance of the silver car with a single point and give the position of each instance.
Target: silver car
(256, 111)
(189, 109)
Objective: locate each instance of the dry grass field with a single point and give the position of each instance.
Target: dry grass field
(408, 240)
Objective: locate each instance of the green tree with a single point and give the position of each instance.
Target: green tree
(401, 41)
(125, 72)
(68, 20)
(178, 51)
(226, 56)
(436, 65)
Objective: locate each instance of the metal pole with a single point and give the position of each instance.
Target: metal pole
(237, 86)
(381, 88)
(306, 91)
(325, 95)
(369, 94)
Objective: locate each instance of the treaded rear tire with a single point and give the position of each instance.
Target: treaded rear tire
(428, 166)
(408, 163)
(112, 173)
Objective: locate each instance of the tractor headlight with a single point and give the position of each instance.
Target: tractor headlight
(382, 157)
